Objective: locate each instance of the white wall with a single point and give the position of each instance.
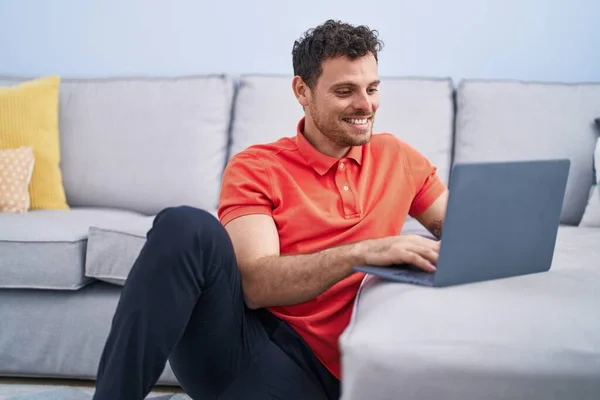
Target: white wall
(547, 40)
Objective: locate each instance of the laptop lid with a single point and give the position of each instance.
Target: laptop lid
(502, 220)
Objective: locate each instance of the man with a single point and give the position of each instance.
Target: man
(252, 307)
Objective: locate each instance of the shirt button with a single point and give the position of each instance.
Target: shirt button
(341, 165)
(346, 188)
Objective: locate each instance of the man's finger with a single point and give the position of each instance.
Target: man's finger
(427, 253)
(418, 261)
(425, 241)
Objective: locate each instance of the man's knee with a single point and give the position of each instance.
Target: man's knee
(187, 226)
(183, 221)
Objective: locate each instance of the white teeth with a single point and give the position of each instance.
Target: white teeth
(358, 121)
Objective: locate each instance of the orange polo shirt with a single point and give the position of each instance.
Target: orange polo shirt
(318, 202)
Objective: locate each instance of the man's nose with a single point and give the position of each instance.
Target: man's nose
(362, 102)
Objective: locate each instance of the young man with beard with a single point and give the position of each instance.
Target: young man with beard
(252, 306)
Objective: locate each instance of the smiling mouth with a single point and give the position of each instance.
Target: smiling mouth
(357, 121)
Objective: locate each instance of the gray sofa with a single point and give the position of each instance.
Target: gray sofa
(131, 147)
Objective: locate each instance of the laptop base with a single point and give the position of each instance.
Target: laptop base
(405, 274)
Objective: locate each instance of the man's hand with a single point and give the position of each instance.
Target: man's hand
(404, 249)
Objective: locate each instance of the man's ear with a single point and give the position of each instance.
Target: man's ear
(301, 90)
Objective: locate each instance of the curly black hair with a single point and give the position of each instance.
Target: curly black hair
(331, 39)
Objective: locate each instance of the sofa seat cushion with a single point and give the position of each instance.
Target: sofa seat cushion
(113, 248)
(45, 249)
(535, 336)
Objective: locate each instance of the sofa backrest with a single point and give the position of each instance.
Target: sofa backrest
(144, 144)
(504, 120)
(418, 111)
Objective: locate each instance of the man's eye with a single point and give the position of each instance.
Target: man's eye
(372, 90)
(343, 92)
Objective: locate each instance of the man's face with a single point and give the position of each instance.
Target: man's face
(344, 100)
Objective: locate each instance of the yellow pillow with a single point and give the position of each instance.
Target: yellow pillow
(16, 167)
(29, 117)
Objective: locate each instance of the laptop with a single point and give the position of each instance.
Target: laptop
(501, 221)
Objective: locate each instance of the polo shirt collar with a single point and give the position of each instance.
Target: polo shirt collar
(319, 161)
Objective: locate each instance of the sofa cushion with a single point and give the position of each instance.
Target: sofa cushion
(113, 248)
(29, 116)
(111, 253)
(265, 110)
(591, 217)
(144, 144)
(518, 121)
(419, 111)
(498, 339)
(45, 249)
(16, 168)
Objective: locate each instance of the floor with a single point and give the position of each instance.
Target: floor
(10, 387)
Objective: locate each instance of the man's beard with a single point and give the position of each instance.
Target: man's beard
(335, 131)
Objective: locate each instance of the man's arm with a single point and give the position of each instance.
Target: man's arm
(433, 217)
(269, 279)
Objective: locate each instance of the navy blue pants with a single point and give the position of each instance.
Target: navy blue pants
(183, 302)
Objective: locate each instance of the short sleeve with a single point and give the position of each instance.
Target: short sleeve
(245, 188)
(428, 186)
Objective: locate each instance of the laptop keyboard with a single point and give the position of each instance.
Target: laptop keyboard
(417, 277)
